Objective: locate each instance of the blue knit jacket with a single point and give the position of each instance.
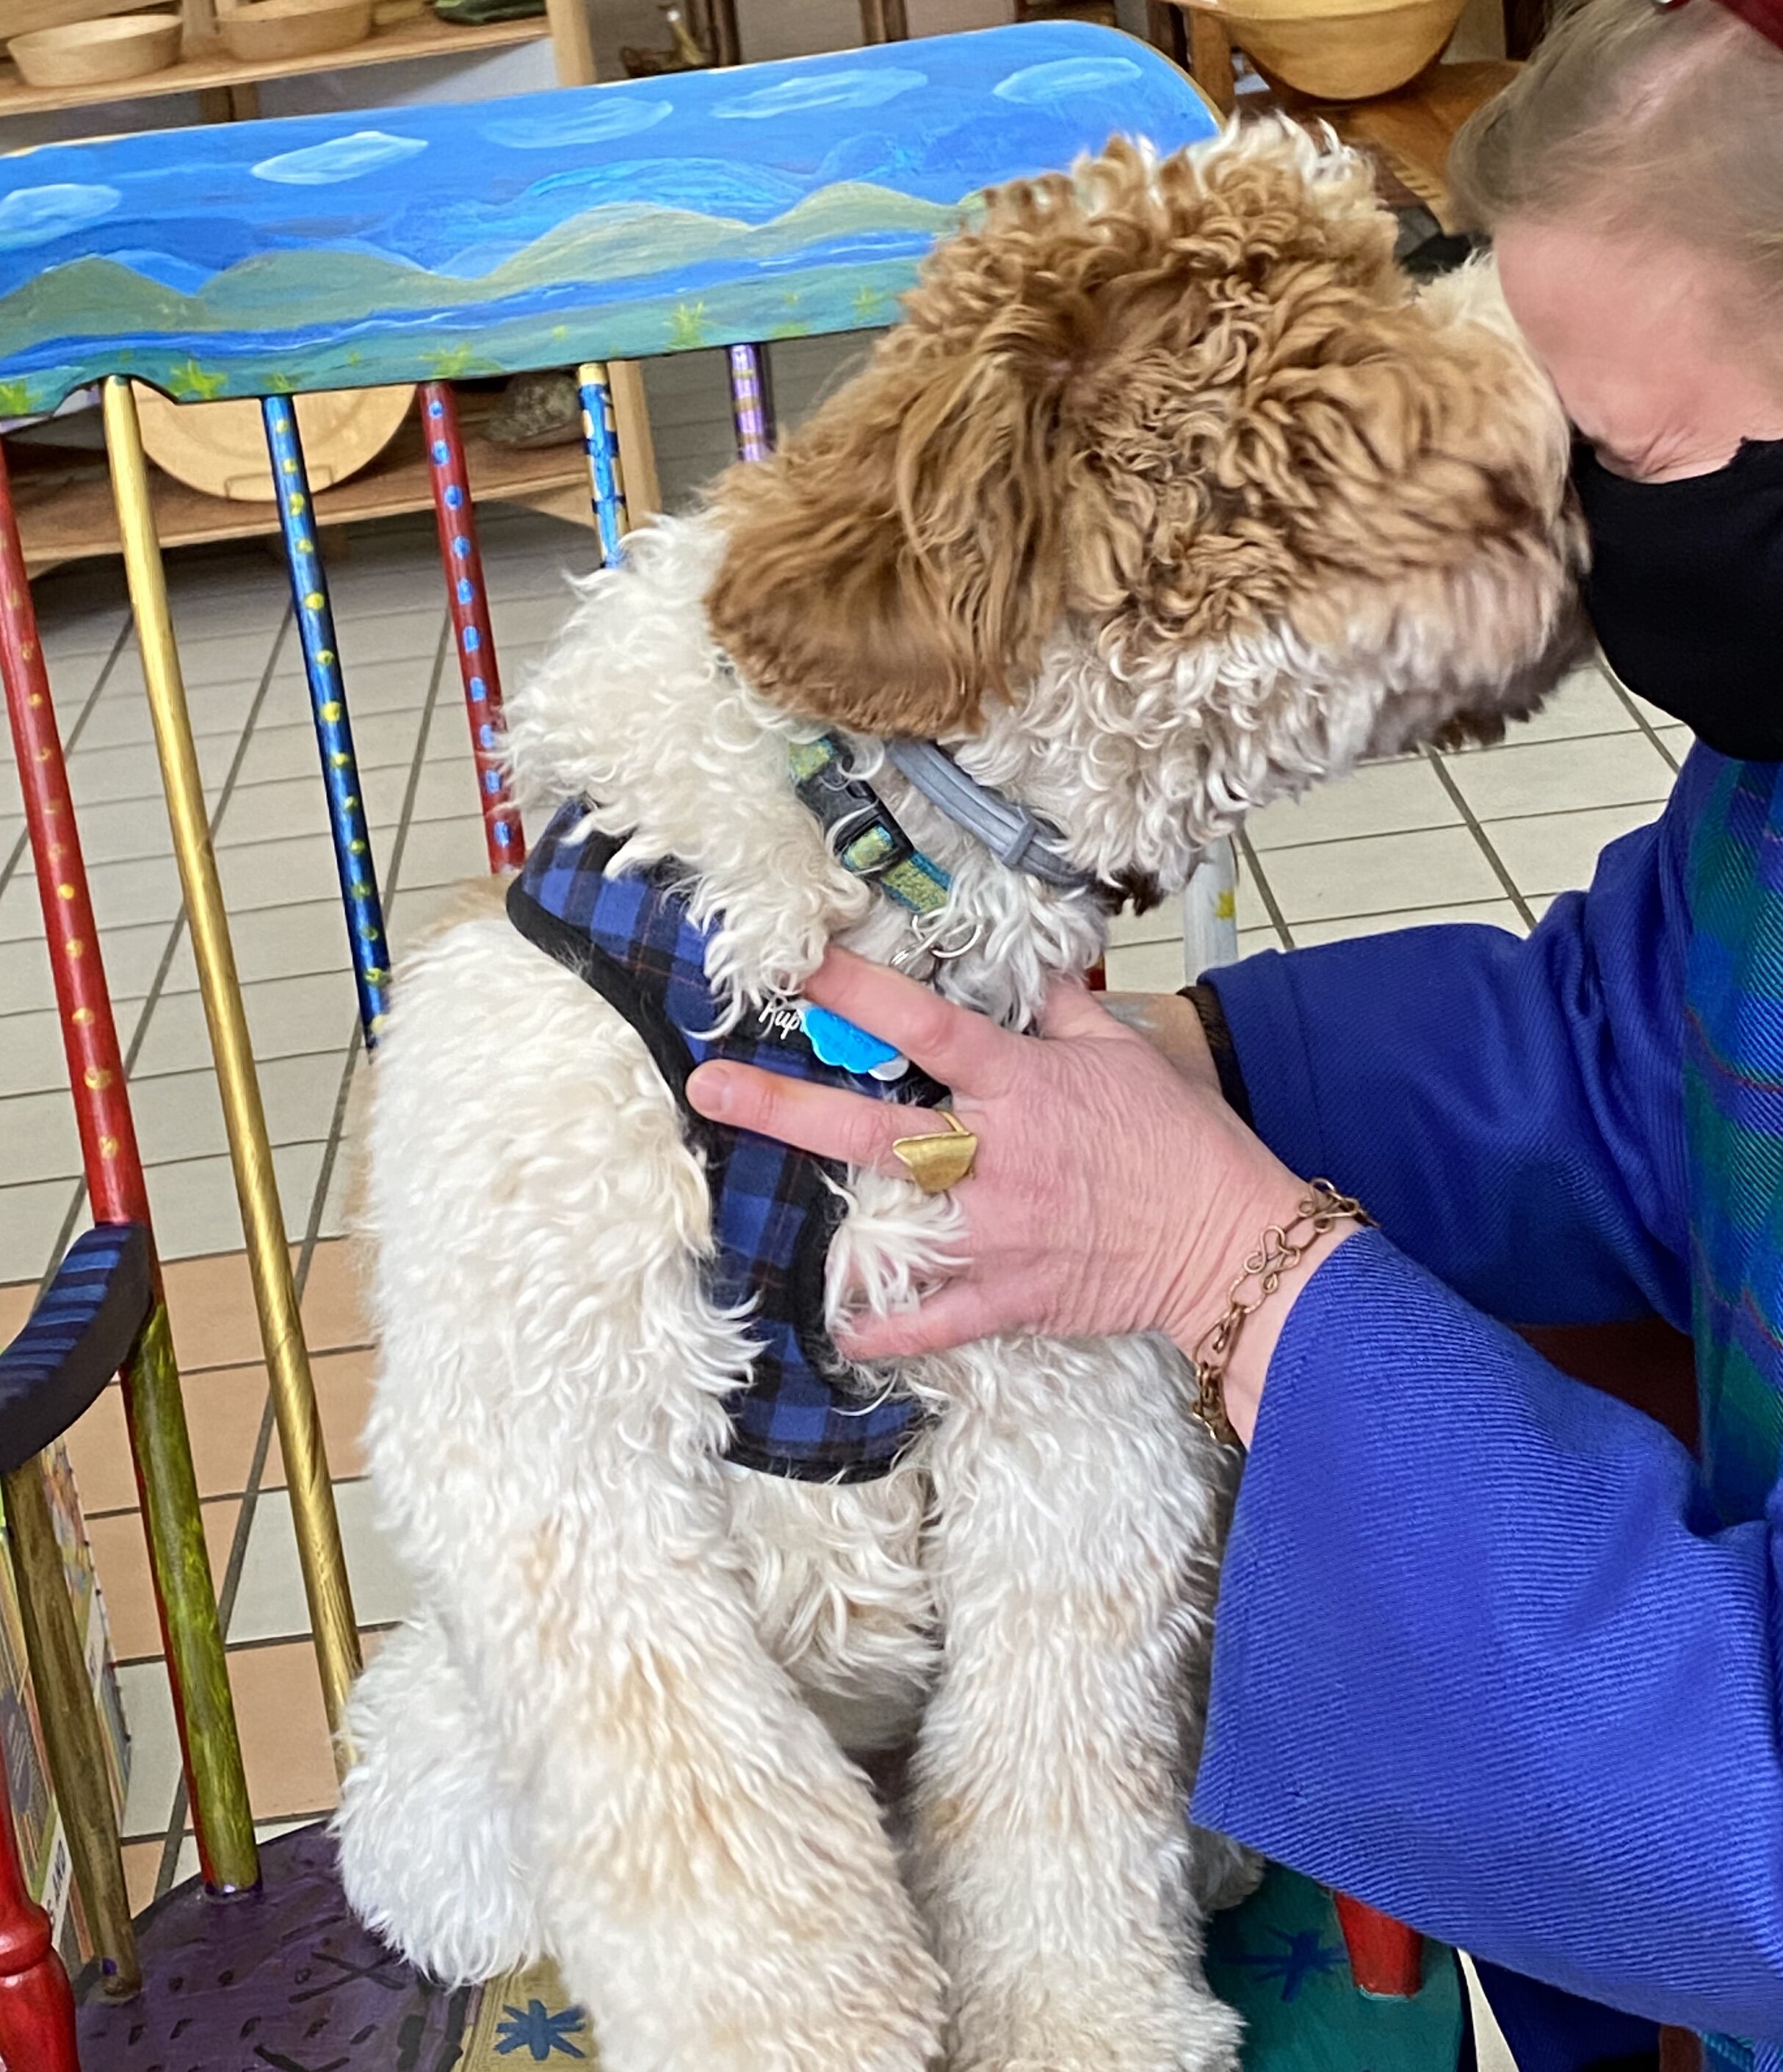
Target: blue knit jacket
(1483, 1656)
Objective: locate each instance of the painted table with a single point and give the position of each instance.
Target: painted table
(597, 222)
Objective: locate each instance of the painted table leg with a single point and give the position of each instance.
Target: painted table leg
(160, 1446)
(468, 598)
(751, 402)
(347, 821)
(36, 2008)
(600, 437)
(1386, 1957)
(1210, 912)
(312, 1514)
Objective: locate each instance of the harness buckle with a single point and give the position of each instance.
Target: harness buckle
(869, 840)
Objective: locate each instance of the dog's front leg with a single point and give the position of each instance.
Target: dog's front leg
(706, 1867)
(1072, 1555)
(710, 1871)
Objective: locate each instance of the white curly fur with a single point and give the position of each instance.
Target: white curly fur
(614, 1732)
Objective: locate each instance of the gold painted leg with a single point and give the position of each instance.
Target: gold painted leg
(70, 1727)
(250, 1149)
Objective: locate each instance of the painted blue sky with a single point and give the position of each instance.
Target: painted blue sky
(456, 189)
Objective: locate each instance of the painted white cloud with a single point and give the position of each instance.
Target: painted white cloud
(340, 158)
(619, 116)
(36, 215)
(830, 89)
(1064, 78)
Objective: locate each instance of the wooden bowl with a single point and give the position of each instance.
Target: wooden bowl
(264, 31)
(1339, 50)
(221, 448)
(94, 53)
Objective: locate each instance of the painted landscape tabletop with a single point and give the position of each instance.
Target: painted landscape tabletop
(608, 222)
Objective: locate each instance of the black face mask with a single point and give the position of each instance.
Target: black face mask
(1686, 592)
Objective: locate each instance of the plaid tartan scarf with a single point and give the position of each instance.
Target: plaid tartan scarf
(774, 1210)
(1733, 1120)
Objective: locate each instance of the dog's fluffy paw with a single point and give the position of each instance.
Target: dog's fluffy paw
(1201, 2034)
(428, 1854)
(833, 2004)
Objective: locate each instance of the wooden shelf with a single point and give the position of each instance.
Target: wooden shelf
(65, 500)
(206, 66)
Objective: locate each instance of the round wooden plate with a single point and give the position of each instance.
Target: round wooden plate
(221, 448)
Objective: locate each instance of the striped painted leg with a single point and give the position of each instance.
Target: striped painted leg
(347, 821)
(751, 402)
(468, 598)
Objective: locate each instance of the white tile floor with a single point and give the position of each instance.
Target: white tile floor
(1485, 835)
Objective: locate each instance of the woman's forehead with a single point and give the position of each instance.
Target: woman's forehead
(1635, 330)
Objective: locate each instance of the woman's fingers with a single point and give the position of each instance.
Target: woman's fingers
(962, 1050)
(852, 1128)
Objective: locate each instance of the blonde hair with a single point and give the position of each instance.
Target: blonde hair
(1641, 119)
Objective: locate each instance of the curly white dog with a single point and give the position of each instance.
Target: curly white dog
(1169, 496)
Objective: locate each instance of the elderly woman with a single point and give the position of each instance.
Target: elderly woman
(1493, 1651)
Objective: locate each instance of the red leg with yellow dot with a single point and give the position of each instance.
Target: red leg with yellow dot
(159, 1443)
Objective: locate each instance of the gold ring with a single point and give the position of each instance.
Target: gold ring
(939, 1159)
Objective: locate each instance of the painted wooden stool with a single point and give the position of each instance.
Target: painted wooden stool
(665, 225)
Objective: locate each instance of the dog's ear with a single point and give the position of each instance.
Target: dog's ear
(1047, 421)
(905, 554)
(901, 557)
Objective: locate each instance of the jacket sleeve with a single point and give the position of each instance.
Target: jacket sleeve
(1509, 1111)
(1479, 1661)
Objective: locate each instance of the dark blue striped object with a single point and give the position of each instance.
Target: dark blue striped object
(77, 1338)
(630, 935)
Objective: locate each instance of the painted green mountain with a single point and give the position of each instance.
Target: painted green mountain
(618, 242)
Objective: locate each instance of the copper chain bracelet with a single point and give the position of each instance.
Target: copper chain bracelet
(1279, 1251)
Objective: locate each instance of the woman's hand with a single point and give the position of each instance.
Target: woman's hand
(1113, 1193)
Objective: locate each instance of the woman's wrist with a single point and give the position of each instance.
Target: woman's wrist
(1248, 1368)
(1228, 1329)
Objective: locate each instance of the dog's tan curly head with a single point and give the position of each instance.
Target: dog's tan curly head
(1177, 402)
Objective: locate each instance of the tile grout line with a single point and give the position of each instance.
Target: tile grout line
(1271, 906)
(1393, 913)
(68, 746)
(230, 1587)
(1640, 719)
(1524, 910)
(177, 929)
(1491, 820)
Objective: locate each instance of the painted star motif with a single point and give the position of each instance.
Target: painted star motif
(1303, 1954)
(539, 2032)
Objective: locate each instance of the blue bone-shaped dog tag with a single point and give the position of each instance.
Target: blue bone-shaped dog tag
(850, 1050)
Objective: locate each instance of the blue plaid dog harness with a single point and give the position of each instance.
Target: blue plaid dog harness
(774, 1210)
